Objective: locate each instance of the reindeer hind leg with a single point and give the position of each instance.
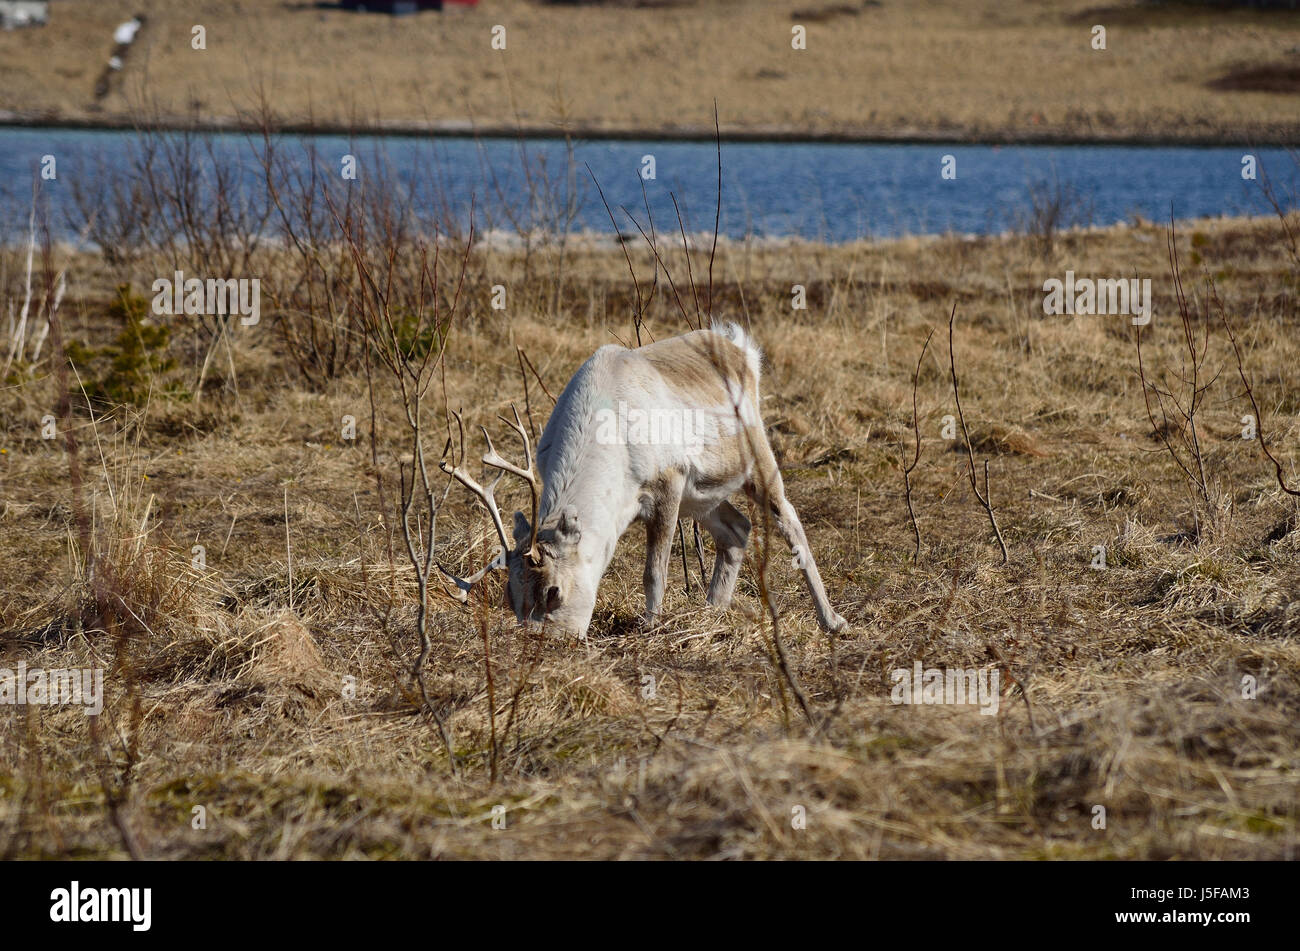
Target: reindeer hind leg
(768, 490)
(730, 530)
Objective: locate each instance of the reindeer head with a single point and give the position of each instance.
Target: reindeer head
(548, 582)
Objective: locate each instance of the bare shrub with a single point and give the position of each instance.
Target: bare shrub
(1053, 206)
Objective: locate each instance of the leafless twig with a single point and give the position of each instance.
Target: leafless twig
(1250, 393)
(916, 456)
(984, 499)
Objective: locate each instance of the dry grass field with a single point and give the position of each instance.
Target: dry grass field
(269, 684)
(981, 70)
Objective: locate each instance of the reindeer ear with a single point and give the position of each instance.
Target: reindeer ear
(568, 527)
(522, 531)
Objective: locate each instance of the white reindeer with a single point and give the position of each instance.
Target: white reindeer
(662, 432)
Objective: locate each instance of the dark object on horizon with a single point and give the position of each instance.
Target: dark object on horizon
(637, 4)
(825, 14)
(1226, 4)
(395, 7)
(1261, 77)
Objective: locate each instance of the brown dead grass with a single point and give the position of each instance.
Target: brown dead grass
(1133, 674)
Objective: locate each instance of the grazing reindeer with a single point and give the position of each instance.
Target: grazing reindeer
(654, 434)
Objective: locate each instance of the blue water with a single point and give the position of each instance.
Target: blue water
(827, 192)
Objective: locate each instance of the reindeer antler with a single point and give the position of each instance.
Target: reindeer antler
(487, 495)
(491, 458)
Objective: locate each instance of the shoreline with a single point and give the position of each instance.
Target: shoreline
(1288, 137)
(598, 243)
